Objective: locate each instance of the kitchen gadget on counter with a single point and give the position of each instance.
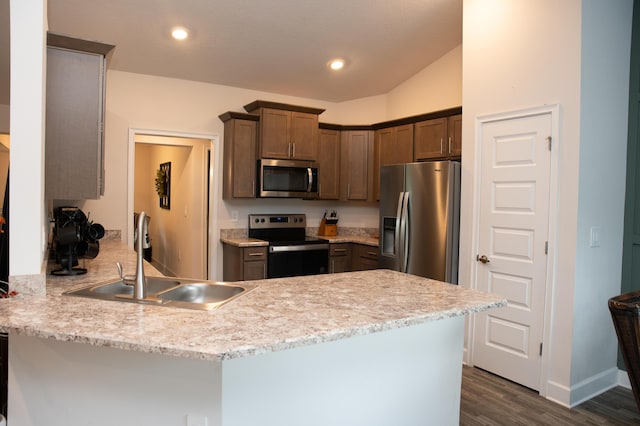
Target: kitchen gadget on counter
(329, 225)
(74, 237)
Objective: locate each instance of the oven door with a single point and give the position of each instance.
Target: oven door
(294, 260)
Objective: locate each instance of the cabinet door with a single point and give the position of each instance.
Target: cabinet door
(364, 257)
(239, 179)
(329, 164)
(396, 145)
(74, 168)
(275, 140)
(430, 137)
(304, 136)
(455, 136)
(355, 151)
(256, 270)
(339, 258)
(368, 264)
(393, 145)
(339, 264)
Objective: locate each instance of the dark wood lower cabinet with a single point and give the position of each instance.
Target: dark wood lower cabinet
(364, 257)
(250, 263)
(339, 258)
(244, 263)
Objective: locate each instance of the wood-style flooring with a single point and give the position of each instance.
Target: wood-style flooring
(491, 400)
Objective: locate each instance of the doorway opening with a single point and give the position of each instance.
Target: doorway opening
(182, 211)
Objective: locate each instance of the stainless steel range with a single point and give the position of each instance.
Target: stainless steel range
(291, 252)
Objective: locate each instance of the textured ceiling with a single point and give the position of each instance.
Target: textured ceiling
(279, 46)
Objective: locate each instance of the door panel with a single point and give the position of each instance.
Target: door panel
(513, 231)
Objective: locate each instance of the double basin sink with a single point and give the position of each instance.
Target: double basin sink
(165, 291)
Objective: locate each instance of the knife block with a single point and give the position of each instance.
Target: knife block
(327, 229)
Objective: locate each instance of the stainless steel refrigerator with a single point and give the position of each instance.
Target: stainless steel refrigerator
(420, 219)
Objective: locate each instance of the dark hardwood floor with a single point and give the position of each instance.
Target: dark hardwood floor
(490, 400)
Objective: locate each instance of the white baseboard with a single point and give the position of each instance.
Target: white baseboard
(594, 386)
(623, 379)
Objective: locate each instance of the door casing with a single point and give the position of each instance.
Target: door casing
(213, 264)
(554, 208)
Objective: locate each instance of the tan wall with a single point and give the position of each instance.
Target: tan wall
(436, 87)
(4, 118)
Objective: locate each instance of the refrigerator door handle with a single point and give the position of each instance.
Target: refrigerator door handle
(405, 233)
(397, 243)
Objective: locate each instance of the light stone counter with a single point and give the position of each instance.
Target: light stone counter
(367, 236)
(278, 315)
(361, 348)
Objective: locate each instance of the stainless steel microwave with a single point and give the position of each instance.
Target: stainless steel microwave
(287, 179)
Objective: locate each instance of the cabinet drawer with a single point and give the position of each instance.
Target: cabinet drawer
(339, 250)
(255, 253)
(369, 252)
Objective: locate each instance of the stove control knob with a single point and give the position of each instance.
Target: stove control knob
(262, 220)
(256, 220)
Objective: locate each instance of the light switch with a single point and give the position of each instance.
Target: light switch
(595, 236)
(234, 215)
(196, 420)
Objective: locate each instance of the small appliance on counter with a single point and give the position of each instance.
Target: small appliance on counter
(74, 237)
(329, 225)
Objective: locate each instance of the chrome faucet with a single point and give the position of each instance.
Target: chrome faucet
(140, 284)
(139, 281)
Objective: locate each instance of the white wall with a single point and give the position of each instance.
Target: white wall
(147, 102)
(511, 62)
(29, 223)
(140, 101)
(606, 46)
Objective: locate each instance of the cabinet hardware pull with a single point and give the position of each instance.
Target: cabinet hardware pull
(371, 253)
(293, 150)
(339, 250)
(441, 145)
(449, 144)
(256, 254)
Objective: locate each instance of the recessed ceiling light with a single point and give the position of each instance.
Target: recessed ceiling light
(179, 33)
(336, 64)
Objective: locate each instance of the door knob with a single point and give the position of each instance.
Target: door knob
(483, 258)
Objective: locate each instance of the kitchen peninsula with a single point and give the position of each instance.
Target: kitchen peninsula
(361, 348)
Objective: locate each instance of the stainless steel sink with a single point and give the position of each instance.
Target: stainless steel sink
(177, 292)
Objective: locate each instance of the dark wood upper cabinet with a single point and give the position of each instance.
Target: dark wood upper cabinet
(286, 131)
(74, 137)
(356, 161)
(239, 156)
(439, 138)
(329, 164)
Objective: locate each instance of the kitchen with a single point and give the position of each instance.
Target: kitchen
(522, 80)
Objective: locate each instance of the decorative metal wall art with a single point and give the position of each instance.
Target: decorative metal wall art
(163, 185)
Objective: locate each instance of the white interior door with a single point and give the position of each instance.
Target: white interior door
(513, 231)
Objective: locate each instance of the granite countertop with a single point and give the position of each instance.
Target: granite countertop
(367, 236)
(244, 242)
(279, 314)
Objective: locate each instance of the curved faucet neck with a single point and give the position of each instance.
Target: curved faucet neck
(140, 285)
